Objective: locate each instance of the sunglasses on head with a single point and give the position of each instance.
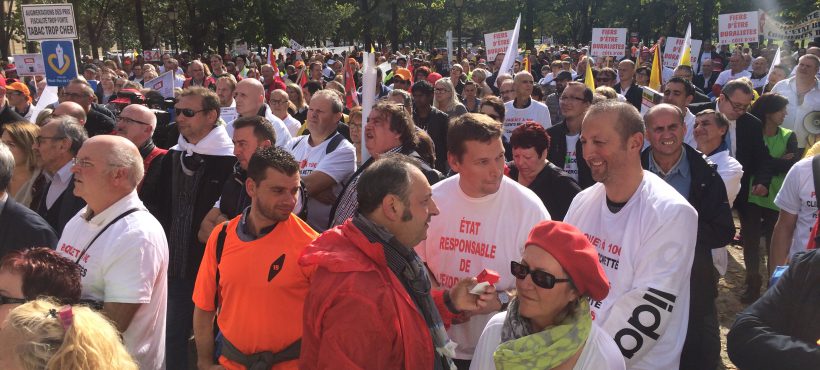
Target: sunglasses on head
(188, 112)
(541, 279)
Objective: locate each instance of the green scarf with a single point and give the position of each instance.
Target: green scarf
(543, 350)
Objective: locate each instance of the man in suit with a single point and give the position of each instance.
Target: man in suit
(20, 227)
(59, 140)
(627, 86)
(706, 78)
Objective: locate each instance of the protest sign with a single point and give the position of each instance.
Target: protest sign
(49, 21)
(672, 51)
(59, 62)
(496, 43)
(650, 98)
(738, 28)
(295, 45)
(228, 114)
(152, 55)
(806, 28)
(164, 84)
(608, 42)
(29, 64)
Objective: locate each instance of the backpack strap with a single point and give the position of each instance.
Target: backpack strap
(334, 143)
(220, 245)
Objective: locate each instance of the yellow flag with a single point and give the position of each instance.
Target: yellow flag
(687, 48)
(655, 77)
(588, 79)
(527, 62)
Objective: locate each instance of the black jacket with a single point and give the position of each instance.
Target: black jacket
(716, 228)
(436, 125)
(99, 121)
(8, 115)
(780, 330)
(751, 151)
(554, 187)
(22, 228)
(66, 206)
(634, 96)
(702, 83)
(557, 153)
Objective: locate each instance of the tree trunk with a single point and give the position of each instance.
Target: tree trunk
(144, 35)
(708, 9)
(394, 26)
(367, 37)
(527, 29)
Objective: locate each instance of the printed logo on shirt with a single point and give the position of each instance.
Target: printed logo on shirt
(651, 314)
(608, 253)
(74, 253)
(465, 245)
(276, 267)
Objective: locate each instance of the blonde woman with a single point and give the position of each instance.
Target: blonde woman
(19, 137)
(479, 76)
(446, 100)
(39, 335)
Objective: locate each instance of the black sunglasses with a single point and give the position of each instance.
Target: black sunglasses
(188, 112)
(542, 279)
(8, 300)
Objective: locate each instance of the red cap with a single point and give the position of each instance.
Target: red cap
(433, 77)
(2, 81)
(575, 254)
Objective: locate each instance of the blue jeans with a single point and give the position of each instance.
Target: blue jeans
(180, 322)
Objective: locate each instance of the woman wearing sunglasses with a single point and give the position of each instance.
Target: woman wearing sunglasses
(548, 324)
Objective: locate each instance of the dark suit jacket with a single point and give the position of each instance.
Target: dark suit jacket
(633, 96)
(68, 203)
(751, 150)
(701, 83)
(8, 115)
(557, 153)
(22, 228)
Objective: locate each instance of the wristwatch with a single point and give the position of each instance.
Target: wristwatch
(504, 298)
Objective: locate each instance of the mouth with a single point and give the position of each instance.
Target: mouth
(668, 142)
(593, 163)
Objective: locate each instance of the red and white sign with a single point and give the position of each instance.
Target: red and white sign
(738, 28)
(672, 52)
(152, 55)
(608, 42)
(497, 42)
(30, 64)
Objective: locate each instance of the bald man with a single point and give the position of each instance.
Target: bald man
(279, 106)
(137, 124)
(250, 101)
(119, 246)
(70, 108)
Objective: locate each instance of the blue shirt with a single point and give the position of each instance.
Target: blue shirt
(679, 176)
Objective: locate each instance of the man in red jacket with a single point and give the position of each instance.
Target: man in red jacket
(370, 304)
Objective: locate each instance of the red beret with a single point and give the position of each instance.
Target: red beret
(575, 254)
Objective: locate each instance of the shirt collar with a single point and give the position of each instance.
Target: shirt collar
(64, 173)
(244, 231)
(681, 166)
(127, 202)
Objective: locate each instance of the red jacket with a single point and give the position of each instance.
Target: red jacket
(358, 314)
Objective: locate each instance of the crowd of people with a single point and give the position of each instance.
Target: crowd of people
(475, 219)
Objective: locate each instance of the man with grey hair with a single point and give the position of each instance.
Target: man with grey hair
(120, 247)
(326, 159)
(20, 227)
(56, 145)
(99, 120)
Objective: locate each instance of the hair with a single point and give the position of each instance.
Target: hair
(687, 86)
(390, 174)
(123, 155)
(335, 86)
(425, 147)
(262, 128)
(210, 101)
(741, 84)
(84, 85)
(45, 273)
(530, 135)
(313, 86)
(271, 157)
(664, 106)
(90, 342)
(423, 87)
(480, 74)
(6, 167)
(609, 71)
(720, 118)
(607, 91)
(301, 100)
(686, 68)
(588, 93)
(229, 79)
(355, 112)
(131, 85)
(471, 126)
(768, 103)
(68, 127)
(628, 120)
(43, 116)
(336, 105)
(813, 57)
(23, 134)
(453, 102)
(496, 103)
(405, 97)
(537, 93)
(400, 122)
(643, 70)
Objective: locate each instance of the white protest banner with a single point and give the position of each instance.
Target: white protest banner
(30, 64)
(512, 50)
(385, 67)
(295, 45)
(49, 21)
(608, 42)
(228, 114)
(48, 97)
(806, 28)
(450, 54)
(738, 28)
(649, 99)
(775, 61)
(164, 84)
(496, 43)
(152, 55)
(672, 51)
(369, 85)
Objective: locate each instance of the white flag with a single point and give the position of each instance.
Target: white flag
(686, 49)
(512, 50)
(369, 84)
(775, 61)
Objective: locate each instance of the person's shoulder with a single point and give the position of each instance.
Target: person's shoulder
(445, 186)
(802, 165)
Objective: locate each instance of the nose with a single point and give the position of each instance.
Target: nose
(433, 208)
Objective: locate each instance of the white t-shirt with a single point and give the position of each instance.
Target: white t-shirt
(731, 171)
(797, 197)
(128, 263)
(292, 124)
(727, 76)
(571, 161)
(689, 137)
(473, 234)
(795, 114)
(646, 250)
(599, 353)
(515, 117)
(283, 135)
(339, 165)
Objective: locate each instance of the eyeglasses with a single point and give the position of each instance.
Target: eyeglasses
(39, 139)
(9, 300)
(567, 98)
(131, 120)
(187, 112)
(735, 106)
(542, 279)
(279, 101)
(82, 163)
(74, 95)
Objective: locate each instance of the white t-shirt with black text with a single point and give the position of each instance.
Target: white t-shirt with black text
(571, 160)
(514, 117)
(797, 197)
